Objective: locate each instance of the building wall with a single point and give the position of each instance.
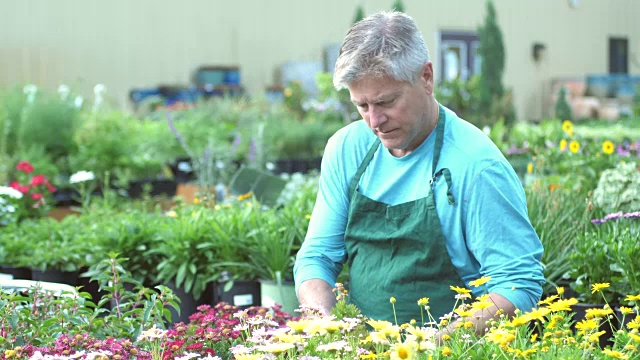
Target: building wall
(143, 43)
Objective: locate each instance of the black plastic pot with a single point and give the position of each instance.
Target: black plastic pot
(55, 276)
(189, 304)
(21, 273)
(182, 170)
(243, 293)
(158, 187)
(65, 197)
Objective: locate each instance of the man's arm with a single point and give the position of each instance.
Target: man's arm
(318, 294)
(500, 237)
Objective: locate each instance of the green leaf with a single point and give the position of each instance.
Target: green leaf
(182, 270)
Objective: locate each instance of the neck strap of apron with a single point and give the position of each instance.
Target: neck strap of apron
(436, 157)
(442, 117)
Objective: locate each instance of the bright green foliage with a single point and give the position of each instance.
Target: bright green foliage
(359, 15)
(563, 110)
(397, 6)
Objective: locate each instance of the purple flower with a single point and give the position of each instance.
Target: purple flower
(632, 215)
(613, 216)
(598, 221)
(252, 150)
(514, 150)
(236, 143)
(622, 151)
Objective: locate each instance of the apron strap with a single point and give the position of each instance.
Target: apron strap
(436, 156)
(447, 178)
(363, 166)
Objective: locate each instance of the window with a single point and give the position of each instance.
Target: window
(458, 55)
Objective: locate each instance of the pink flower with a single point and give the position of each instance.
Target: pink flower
(50, 187)
(22, 188)
(36, 196)
(38, 180)
(195, 346)
(24, 166)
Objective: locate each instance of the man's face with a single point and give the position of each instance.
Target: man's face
(401, 114)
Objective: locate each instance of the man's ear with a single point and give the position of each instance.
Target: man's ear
(426, 77)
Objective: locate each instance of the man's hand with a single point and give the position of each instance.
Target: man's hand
(318, 294)
(500, 306)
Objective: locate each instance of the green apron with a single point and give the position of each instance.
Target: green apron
(399, 250)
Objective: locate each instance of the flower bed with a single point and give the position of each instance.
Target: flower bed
(226, 332)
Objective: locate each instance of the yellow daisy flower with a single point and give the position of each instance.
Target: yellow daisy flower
(479, 282)
(245, 196)
(615, 354)
(574, 146)
(587, 325)
(596, 313)
(626, 310)
(563, 144)
(423, 301)
(608, 147)
(379, 324)
(563, 305)
(632, 298)
(460, 290)
(596, 336)
(446, 351)
(567, 127)
(599, 287)
(530, 168)
(403, 351)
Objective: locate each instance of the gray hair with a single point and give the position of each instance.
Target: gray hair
(385, 43)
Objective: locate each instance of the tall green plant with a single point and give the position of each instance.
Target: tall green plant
(491, 50)
(398, 6)
(359, 15)
(563, 110)
(493, 57)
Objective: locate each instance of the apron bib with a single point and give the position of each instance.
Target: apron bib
(399, 250)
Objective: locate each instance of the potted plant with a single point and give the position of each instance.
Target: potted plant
(14, 253)
(276, 238)
(236, 281)
(56, 252)
(193, 253)
(116, 144)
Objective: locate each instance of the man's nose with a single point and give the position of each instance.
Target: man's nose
(376, 117)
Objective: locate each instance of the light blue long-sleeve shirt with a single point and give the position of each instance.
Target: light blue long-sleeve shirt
(487, 230)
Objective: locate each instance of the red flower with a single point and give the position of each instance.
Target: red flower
(24, 166)
(36, 196)
(38, 180)
(22, 188)
(195, 346)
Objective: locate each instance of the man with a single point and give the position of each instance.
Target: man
(412, 197)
